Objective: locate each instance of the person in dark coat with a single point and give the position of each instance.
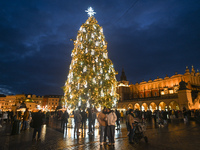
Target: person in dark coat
(90, 121)
(94, 116)
(84, 118)
(65, 117)
(37, 124)
(48, 115)
(118, 119)
(77, 122)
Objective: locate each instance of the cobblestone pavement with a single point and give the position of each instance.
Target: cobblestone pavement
(175, 136)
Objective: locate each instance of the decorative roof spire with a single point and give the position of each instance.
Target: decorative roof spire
(197, 74)
(187, 70)
(193, 71)
(123, 76)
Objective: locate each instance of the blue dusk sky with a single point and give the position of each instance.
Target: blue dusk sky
(148, 38)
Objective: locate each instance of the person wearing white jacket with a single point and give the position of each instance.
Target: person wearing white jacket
(111, 119)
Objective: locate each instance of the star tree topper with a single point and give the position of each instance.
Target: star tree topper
(90, 11)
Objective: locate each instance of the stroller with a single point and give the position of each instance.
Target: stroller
(139, 132)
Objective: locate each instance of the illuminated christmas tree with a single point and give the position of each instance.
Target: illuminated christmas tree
(91, 80)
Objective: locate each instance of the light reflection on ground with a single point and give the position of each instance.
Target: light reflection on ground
(175, 135)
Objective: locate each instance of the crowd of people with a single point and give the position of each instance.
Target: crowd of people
(107, 119)
(23, 120)
(5, 117)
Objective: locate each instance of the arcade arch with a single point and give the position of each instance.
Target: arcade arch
(144, 107)
(130, 106)
(174, 105)
(137, 106)
(162, 106)
(153, 106)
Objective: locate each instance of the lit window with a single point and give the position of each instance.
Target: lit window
(162, 93)
(170, 91)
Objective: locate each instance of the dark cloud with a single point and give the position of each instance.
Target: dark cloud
(146, 38)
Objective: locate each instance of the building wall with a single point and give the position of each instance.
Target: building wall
(53, 102)
(145, 92)
(20, 98)
(31, 106)
(49, 102)
(2, 101)
(45, 102)
(9, 102)
(151, 103)
(37, 99)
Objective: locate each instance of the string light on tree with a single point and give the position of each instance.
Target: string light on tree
(91, 80)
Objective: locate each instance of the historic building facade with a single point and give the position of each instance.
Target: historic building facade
(2, 101)
(54, 101)
(175, 92)
(30, 101)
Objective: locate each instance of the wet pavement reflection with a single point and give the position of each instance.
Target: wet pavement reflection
(175, 135)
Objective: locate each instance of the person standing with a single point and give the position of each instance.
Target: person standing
(165, 116)
(1, 118)
(48, 115)
(185, 115)
(19, 115)
(5, 117)
(84, 118)
(90, 121)
(37, 124)
(102, 123)
(25, 120)
(65, 117)
(77, 121)
(111, 119)
(93, 119)
(131, 120)
(118, 119)
(122, 116)
(11, 116)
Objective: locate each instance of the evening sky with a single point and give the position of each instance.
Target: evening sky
(148, 38)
